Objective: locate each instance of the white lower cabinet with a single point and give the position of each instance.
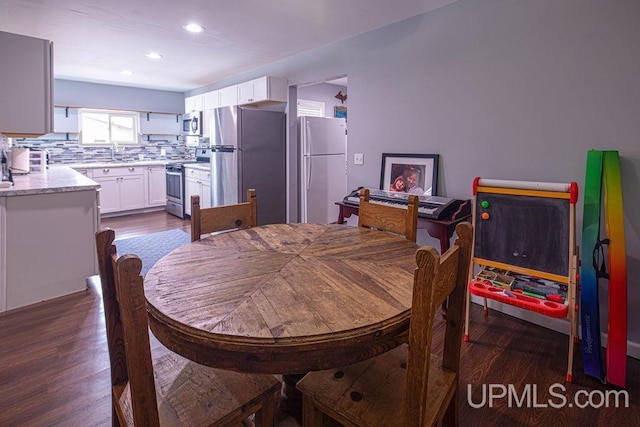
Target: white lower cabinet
(156, 186)
(108, 194)
(205, 193)
(131, 192)
(191, 187)
(122, 188)
(47, 245)
(197, 182)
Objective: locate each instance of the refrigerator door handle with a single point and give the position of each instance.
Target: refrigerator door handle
(307, 139)
(309, 166)
(217, 139)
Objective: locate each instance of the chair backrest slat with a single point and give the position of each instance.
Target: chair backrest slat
(115, 341)
(130, 291)
(127, 329)
(220, 218)
(457, 299)
(387, 218)
(437, 279)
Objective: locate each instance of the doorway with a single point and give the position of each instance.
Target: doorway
(322, 147)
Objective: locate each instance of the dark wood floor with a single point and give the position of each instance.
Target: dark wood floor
(148, 223)
(54, 366)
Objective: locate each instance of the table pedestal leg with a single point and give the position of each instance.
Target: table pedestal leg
(291, 398)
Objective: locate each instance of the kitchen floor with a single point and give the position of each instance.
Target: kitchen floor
(54, 368)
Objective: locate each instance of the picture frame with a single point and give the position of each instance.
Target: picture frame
(340, 112)
(410, 173)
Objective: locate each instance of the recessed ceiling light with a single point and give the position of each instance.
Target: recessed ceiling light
(194, 28)
(126, 72)
(153, 55)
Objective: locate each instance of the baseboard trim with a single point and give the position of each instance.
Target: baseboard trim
(558, 325)
(135, 211)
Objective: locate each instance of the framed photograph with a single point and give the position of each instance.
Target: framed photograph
(340, 112)
(410, 173)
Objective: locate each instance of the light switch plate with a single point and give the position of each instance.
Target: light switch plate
(163, 152)
(358, 158)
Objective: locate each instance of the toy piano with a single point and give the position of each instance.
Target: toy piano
(432, 207)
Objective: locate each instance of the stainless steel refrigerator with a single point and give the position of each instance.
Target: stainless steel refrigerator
(323, 148)
(248, 151)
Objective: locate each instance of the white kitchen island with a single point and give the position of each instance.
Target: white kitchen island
(47, 226)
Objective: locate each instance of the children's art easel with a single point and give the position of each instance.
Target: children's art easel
(525, 249)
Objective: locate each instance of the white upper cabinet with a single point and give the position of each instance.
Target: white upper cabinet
(26, 86)
(263, 90)
(252, 90)
(211, 100)
(193, 103)
(228, 96)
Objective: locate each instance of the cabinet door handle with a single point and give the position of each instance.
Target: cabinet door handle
(132, 169)
(105, 170)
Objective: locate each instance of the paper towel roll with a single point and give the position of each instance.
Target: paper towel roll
(20, 160)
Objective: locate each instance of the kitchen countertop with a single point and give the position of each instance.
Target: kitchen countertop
(56, 179)
(116, 163)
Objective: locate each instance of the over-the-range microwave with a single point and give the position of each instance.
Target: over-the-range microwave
(192, 123)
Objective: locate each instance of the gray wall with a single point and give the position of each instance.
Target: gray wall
(64, 148)
(500, 89)
(68, 93)
(326, 93)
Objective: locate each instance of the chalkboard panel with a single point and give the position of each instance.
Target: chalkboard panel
(524, 231)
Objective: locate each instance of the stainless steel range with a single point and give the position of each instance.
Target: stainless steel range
(175, 189)
(176, 183)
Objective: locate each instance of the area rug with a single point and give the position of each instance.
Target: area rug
(151, 247)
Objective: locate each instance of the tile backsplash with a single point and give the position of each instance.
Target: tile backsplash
(68, 150)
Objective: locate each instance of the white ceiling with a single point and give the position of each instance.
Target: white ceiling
(94, 40)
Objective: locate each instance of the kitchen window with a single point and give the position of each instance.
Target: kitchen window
(307, 107)
(112, 128)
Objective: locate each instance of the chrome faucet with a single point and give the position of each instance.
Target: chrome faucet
(116, 149)
(5, 167)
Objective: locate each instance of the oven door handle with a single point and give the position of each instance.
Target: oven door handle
(174, 173)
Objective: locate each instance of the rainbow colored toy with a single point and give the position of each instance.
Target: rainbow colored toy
(603, 176)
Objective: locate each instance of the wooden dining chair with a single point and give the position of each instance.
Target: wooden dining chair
(170, 390)
(407, 386)
(388, 218)
(220, 218)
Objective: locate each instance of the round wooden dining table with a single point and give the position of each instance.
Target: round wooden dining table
(283, 298)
